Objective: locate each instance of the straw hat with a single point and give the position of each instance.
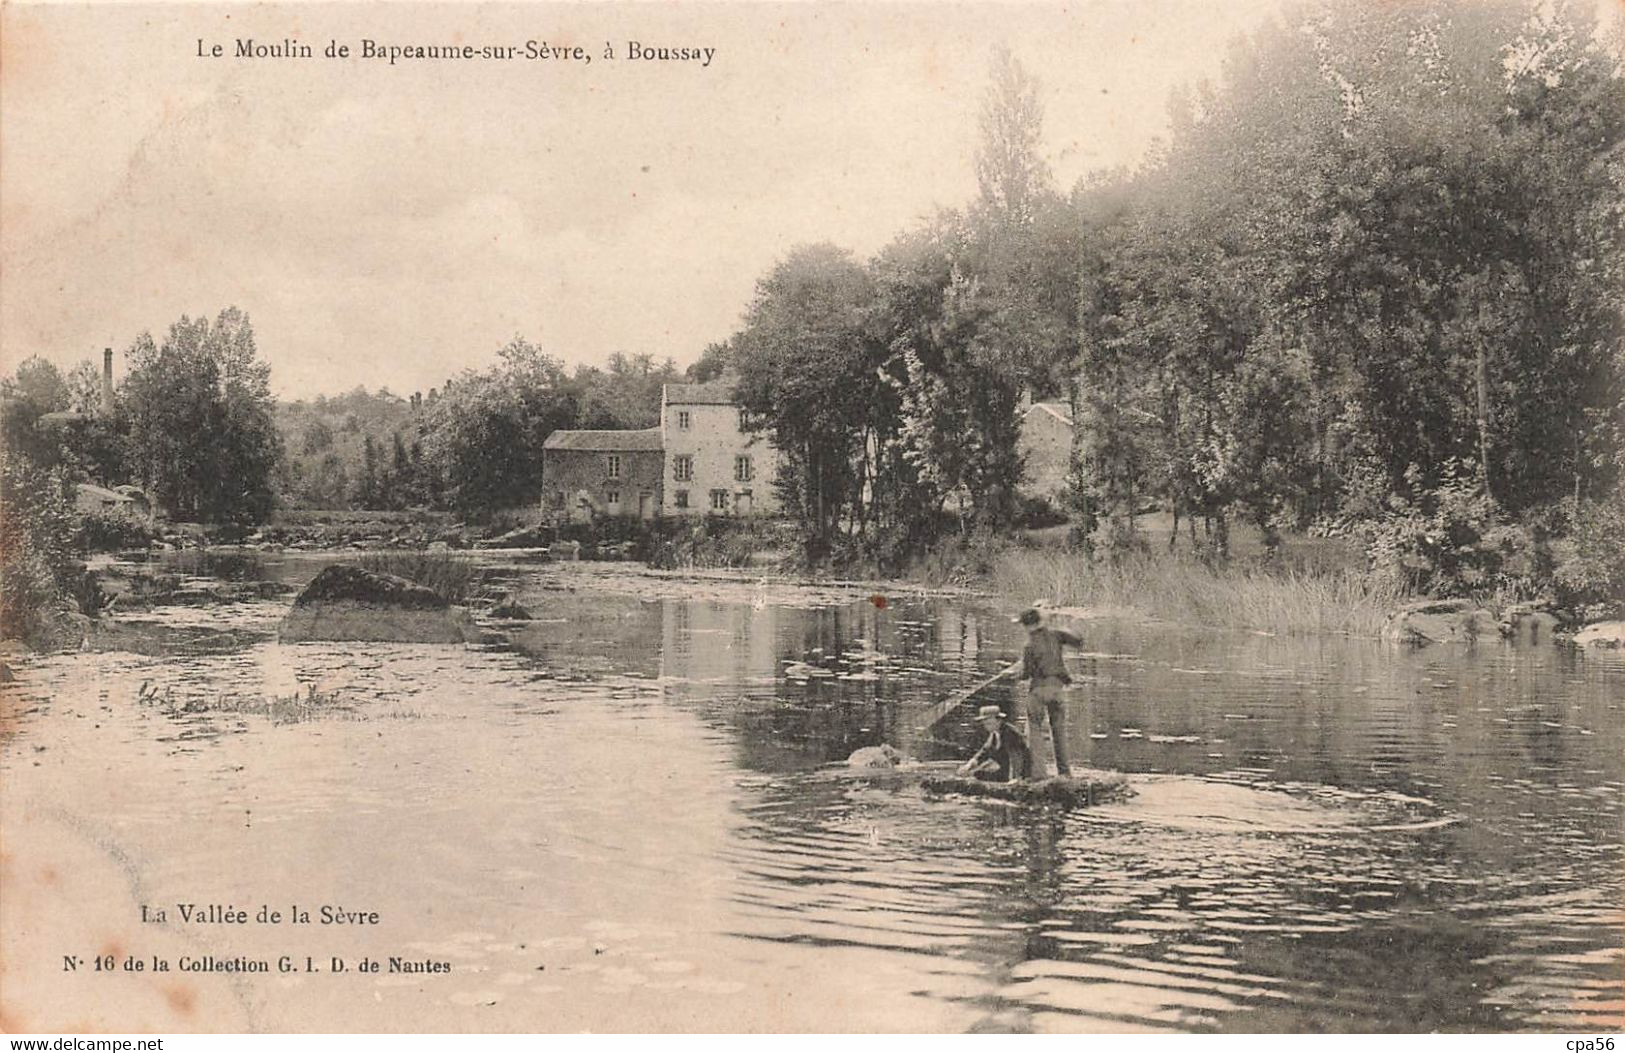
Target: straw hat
(990, 711)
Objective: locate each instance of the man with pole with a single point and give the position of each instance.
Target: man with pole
(1044, 669)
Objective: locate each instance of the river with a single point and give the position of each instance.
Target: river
(628, 815)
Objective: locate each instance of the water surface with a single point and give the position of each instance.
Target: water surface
(624, 816)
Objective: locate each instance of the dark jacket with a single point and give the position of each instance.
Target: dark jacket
(1041, 659)
(1006, 748)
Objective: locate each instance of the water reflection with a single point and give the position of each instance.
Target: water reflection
(633, 795)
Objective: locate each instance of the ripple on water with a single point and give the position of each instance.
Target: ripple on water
(609, 815)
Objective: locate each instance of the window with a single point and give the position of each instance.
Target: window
(614, 466)
(680, 499)
(682, 420)
(682, 468)
(612, 497)
(744, 420)
(558, 498)
(719, 500)
(742, 469)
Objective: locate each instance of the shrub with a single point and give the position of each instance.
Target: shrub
(715, 542)
(455, 579)
(1452, 540)
(111, 531)
(1035, 513)
(961, 560)
(40, 573)
(1589, 571)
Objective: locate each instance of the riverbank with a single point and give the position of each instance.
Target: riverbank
(1314, 586)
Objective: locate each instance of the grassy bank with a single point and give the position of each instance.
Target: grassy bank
(1309, 599)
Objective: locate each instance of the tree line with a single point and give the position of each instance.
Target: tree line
(194, 424)
(473, 446)
(1370, 284)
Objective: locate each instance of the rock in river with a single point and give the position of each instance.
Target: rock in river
(344, 602)
(1601, 634)
(1439, 621)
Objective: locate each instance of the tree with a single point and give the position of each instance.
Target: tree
(318, 438)
(1389, 245)
(1012, 178)
(807, 368)
(400, 484)
(368, 488)
(202, 436)
(1012, 294)
(35, 389)
(626, 394)
(483, 437)
(714, 361)
(85, 388)
(38, 546)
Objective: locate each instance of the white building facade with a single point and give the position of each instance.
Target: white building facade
(714, 464)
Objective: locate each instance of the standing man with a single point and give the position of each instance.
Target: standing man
(1046, 675)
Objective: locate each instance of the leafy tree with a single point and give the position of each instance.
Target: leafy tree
(714, 361)
(85, 388)
(202, 435)
(368, 489)
(807, 368)
(38, 551)
(1388, 247)
(483, 437)
(626, 394)
(35, 389)
(318, 438)
(400, 485)
(326, 484)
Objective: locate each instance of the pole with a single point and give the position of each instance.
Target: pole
(952, 702)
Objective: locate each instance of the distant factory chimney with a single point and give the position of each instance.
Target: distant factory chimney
(107, 380)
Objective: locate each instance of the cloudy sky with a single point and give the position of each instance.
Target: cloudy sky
(389, 225)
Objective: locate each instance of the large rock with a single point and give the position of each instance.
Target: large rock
(1439, 621)
(1601, 634)
(344, 602)
(1530, 623)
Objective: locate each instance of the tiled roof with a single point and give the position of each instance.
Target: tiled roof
(719, 392)
(619, 441)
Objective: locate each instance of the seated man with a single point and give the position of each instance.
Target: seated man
(1004, 757)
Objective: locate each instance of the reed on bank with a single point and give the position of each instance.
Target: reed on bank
(1304, 600)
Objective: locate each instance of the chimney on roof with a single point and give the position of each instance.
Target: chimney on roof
(107, 380)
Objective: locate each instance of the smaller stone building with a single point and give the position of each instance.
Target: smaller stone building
(599, 473)
(125, 500)
(1046, 443)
